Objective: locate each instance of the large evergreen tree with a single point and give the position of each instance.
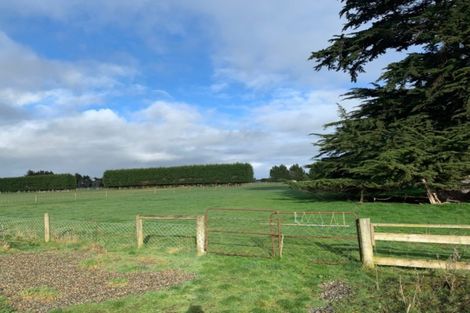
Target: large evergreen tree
(413, 125)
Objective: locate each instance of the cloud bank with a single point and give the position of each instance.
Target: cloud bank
(88, 114)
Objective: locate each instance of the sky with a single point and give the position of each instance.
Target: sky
(87, 86)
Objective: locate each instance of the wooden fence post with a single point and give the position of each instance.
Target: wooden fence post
(365, 242)
(200, 235)
(47, 233)
(139, 231)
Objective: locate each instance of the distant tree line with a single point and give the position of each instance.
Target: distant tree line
(180, 175)
(38, 183)
(38, 173)
(46, 180)
(282, 173)
(86, 181)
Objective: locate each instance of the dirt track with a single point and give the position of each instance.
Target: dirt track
(71, 284)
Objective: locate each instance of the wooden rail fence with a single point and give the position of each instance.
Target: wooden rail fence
(200, 228)
(367, 236)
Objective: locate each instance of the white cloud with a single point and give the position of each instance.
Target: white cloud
(170, 113)
(168, 133)
(261, 44)
(293, 112)
(53, 85)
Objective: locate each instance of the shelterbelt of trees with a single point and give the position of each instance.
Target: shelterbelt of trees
(180, 175)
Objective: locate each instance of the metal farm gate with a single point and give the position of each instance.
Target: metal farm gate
(326, 237)
(322, 237)
(242, 232)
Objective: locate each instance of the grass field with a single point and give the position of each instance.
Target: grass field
(231, 283)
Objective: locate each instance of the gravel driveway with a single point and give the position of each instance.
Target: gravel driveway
(39, 282)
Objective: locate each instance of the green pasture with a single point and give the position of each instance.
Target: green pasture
(257, 283)
(123, 205)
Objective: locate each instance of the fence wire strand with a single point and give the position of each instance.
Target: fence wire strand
(171, 236)
(323, 237)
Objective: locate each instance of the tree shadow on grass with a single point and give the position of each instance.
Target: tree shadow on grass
(287, 193)
(267, 187)
(195, 309)
(301, 196)
(346, 251)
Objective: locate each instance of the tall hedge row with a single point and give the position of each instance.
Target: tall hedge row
(38, 183)
(180, 175)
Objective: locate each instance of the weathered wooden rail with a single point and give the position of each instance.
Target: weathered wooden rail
(200, 228)
(367, 236)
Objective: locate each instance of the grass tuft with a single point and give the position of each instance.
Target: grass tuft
(40, 294)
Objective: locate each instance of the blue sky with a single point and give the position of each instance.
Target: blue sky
(87, 86)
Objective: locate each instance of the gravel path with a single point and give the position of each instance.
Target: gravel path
(332, 291)
(70, 283)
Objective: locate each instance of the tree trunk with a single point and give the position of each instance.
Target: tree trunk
(361, 200)
(433, 199)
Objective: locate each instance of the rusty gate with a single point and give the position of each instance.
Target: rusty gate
(320, 236)
(243, 232)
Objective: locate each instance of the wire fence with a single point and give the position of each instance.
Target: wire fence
(21, 229)
(99, 194)
(109, 235)
(242, 232)
(323, 237)
(320, 237)
(170, 235)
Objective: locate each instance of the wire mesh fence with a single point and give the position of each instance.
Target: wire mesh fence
(109, 235)
(170, 235)
(320, 237)
(21, 229)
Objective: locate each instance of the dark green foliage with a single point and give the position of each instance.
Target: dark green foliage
(282, 173)
(97, 182)
(279, 173)
(296, 172)
(38, 183)
(83, 181)
(328, 184)
(180, 175)
(414, 122)
(40, 172)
